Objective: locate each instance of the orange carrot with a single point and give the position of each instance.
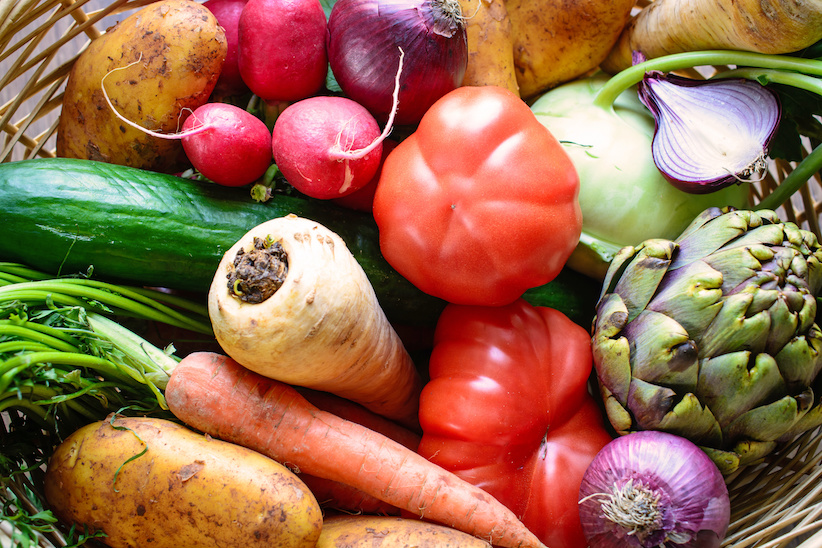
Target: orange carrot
(339, 496)
(354, 412)
(214, 394)
(333, 495)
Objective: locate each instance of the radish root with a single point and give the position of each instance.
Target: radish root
(342, 154)
(178, 135)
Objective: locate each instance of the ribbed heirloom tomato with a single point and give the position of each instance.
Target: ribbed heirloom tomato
(507, 408)
(480, 203)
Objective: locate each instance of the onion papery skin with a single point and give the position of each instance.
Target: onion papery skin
(693, 497)
(691, 152)
(363, 42)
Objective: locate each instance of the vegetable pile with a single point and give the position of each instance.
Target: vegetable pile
(410, 272)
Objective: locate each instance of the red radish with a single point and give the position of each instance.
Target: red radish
(363, 199)
(317, 144)
(228, 13)
(235, 148)
(328, 147)
(282, 55)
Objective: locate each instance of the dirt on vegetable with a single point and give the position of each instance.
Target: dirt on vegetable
(258, 273)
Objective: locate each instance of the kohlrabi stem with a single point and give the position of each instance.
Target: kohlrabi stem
(810, 165)
(633, 75)
(770, 76)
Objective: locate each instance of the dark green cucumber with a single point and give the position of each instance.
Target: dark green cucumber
(63, 216)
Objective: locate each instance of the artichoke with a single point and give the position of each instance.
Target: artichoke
(713, 336)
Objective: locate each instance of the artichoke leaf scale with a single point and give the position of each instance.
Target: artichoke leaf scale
(769, 422)
(734, 383)
(732, 331)
(712, 236)
(617, 414)
(644, 274)
(800, 360)
(661, 351)
(784, 324)
(692, 296)
(612, 353)
(660, 408)
(750, 451)
(772, 235)
(738, 266)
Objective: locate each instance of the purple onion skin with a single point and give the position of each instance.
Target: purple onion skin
(363, 41)
(693, 498)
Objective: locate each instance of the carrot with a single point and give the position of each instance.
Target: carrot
(339, 496)
(214, 394)
(323, 328)
(333, 495)
(676, 26)
(354, 412)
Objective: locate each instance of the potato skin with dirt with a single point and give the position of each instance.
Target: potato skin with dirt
(181, 49)
(556, 41)
(185, 490)
(363, 531)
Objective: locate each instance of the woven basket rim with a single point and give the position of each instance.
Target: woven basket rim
(774, 503)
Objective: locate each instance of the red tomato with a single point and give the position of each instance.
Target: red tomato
(480, 203)
(507, 408)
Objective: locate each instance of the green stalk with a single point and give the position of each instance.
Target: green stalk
(633, 75)
(44, 334)
(807, 168)
(39, 398)
(13, 366)
(22, 346)
(133, 346)
(125, 301)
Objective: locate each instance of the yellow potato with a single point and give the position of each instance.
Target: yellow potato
(556, 41)
(490, 49)
(179, 50)
(363, 531)
(186, 490)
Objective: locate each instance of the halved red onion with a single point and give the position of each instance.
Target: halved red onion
(649, 489)
(710, 133)
(364, 39)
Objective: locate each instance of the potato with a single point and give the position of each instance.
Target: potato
(556, 41)
(179, 50)
(361, 531)
(490, 49)
(186, 490)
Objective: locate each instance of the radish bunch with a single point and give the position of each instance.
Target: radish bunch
(326, 146)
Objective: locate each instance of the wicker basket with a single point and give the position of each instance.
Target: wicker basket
(777, 503)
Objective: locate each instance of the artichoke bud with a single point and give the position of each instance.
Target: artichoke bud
(713, 336)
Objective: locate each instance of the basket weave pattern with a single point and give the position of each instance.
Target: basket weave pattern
(775, 504)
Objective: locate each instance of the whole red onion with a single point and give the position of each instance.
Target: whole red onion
(652, 489)
(364, 39)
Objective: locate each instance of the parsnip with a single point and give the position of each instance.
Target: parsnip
(323, 328)
(490, 45)
(676, 26)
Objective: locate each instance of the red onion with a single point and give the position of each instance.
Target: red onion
(364, 37)
(709, 133)
(653, 489)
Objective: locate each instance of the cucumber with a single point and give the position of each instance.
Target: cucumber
(63, 216)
